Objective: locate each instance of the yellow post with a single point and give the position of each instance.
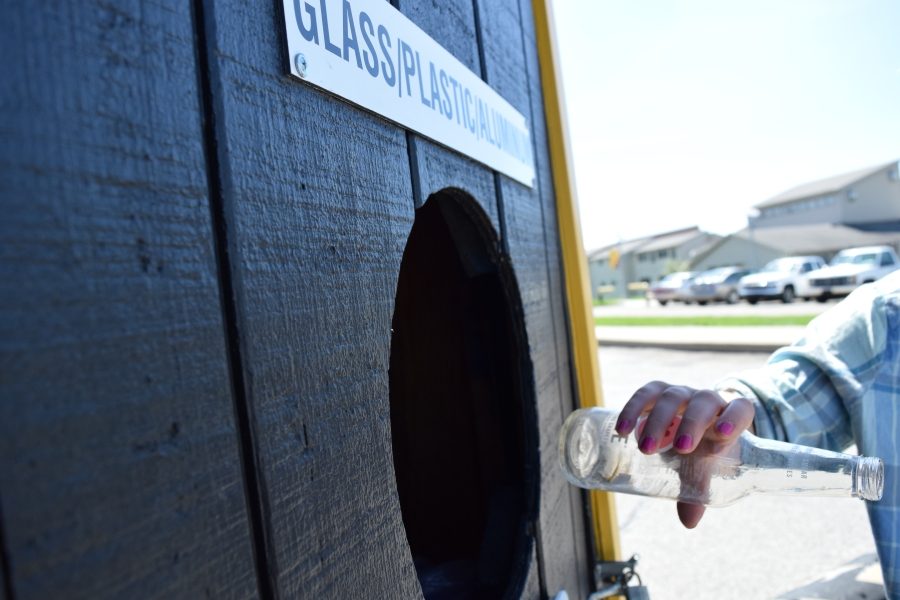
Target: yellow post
(578, 296)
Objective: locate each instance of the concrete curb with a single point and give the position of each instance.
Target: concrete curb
(697, 338)
(692, 346)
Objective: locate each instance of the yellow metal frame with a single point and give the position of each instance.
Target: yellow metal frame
(578, 296)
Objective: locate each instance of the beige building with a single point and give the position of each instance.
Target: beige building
(860, 198)
(754, 248)
(860, 208)
(822, 217)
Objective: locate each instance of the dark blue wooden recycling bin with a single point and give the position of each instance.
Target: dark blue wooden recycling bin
(257, 341)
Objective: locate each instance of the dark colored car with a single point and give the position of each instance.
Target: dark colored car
(674, 286)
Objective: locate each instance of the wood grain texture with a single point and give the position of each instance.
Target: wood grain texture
(319, 203)
(120, 474)
(531, 245)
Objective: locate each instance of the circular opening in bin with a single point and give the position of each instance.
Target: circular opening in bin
(463, 425)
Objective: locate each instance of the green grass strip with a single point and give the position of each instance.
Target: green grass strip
(709, 321)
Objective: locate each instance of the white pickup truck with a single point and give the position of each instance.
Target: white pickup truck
(782, 279)
(850, 269)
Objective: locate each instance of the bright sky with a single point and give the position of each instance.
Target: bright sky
(689, 112)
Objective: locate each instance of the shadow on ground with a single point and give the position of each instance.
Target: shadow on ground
(860, 579)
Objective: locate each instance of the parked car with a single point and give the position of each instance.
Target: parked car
(782, 279)
(851, 268)
(718, 284)
(674, 286)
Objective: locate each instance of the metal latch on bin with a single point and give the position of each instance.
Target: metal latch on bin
(613, 579)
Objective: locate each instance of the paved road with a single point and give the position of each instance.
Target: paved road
(763, 547)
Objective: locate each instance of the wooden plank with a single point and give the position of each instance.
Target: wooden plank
(531, 244)
(568, 395)
(319, 203)
(548, 202)
(452, 25)
(120, 473)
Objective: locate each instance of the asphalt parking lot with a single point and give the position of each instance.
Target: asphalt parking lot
(763, 547)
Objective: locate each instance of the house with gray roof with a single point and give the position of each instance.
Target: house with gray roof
(625, 266)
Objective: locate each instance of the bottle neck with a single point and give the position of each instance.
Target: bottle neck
(794, 469)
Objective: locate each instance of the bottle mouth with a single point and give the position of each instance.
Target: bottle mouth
(869, 480)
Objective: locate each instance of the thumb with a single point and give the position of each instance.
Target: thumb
(690, 514)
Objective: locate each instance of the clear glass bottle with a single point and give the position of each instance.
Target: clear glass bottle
(594, 455)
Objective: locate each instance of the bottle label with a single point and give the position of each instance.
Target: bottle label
(804, 454)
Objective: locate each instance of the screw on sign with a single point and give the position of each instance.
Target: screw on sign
(300, 64)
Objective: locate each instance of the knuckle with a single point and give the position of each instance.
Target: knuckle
(740, 406)
(676, 392)
(743, 402)
(708, 399)
(652, 387)
(691, 423)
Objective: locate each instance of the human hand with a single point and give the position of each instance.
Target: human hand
(709, 426)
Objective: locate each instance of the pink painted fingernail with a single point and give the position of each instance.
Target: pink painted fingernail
(725, 427)
(623, 425)
(684, 441)
(648, 444)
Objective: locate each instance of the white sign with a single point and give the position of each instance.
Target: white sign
(370, 54)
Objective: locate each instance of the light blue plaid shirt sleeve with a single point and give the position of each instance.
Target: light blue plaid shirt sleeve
(838, 385)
